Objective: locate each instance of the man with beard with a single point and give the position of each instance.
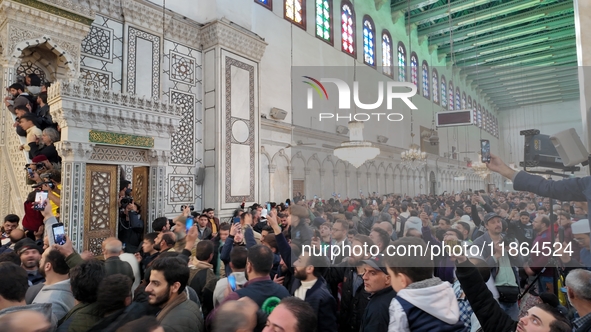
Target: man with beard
(165, 241)
(205, 232)
(310, 286)
(10, 223)
(30, 255)
(538, 258)
(56, 290)
(18, 97)
(166, 290)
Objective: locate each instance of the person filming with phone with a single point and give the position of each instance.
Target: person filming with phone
(131, 227)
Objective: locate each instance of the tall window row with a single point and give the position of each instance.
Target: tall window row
(431, 85)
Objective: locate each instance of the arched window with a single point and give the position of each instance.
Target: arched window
(458, 99)
(348, 28)
(478, 111)
(425, 79)
(443, 92)
(414, 70)
(469, 103)
(484, 120)
(369, 42)
(265, 3)
(387, 54)
(401, 62)
(464, 101)
(324, 20)
(450, 97)
(295, 11)
(435, 85)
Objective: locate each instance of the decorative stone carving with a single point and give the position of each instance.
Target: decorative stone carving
(69, 6)
(181, 189)
(231, 38)
(120, 155)
(73, 150)
(77, 105)
(159, 157)
(96, 136)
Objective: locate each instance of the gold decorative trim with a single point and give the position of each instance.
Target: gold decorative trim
(56, 11)
(120, 139)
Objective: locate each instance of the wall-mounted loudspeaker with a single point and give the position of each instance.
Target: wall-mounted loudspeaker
(569, 146)
(278, 114)
(200, 177)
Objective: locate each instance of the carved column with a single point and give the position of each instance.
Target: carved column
(230, 63)
(157, 207)
(74, 156)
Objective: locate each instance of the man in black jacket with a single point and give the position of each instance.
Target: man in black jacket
(354, 298)
(112, 248)
(541, 318)
(377, 282)
(311, 287)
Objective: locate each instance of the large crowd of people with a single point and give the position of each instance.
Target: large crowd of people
(522, 264)
(465, 261)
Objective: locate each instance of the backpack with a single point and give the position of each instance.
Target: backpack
(204, 283)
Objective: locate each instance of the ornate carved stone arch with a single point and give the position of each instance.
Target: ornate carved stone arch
(280, 154)
(65, 65)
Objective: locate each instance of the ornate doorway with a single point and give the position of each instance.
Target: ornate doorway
(101, 210)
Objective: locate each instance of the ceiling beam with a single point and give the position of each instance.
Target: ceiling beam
(560, 58)
(491, 59)
(484, 15)
(403, 5)
(551, 86)
(518, 71)
(535, 95)
(554, 36)
(548, 96)
(444, 11)
(475, 41)
(550, 100)
(524, 81)
(481, 29)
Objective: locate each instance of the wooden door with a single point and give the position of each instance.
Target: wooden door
(139, 190)
(101, 212)
(298, 186)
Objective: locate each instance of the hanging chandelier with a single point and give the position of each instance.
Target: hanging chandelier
(413, 158)
(480, 168)
(356, 151)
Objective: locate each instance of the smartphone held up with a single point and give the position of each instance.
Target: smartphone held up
(41, 201)
(59, 234)
(485, 150)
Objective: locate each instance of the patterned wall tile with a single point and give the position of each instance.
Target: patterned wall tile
(28, 67)
(96, 78)
(102, 51)
(229, 139)
(133, 35)
(182, 68)
(183, 144)
(181, 188)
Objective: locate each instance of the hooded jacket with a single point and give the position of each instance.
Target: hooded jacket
(60, 296)
(429, 305)
(413, 222)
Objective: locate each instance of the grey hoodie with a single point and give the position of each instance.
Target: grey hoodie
(60, 296)
(413, 222)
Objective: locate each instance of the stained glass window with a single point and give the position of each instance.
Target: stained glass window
(464, 101)
(435, 85)
(443, 92)
(387, 53)
(474, 112)
(479, 112)
(401, 62)
(369, 42)
(458, 100)
(265, 3)
(414, 70)
(295, 11)
(484, 120)
(469, 103)
(324, 20)
(425, 79)
(348, 28)
(450, 97)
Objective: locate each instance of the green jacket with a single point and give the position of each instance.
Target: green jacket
(80, 319)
